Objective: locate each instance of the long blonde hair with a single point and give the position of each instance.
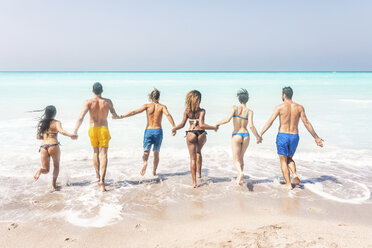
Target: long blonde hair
(193, 99)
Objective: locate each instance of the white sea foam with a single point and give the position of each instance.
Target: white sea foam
(341, 171)
(108, 214)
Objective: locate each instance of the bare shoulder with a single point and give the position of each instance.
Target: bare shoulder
(299, 106)
(56, 122)
(107, 100)
(163, 106)
(89, 101)
(280, 106)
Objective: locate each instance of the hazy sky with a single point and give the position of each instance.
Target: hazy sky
(185, 35)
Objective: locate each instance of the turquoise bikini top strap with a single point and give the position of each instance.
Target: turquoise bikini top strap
(236, 110)
(247, 114)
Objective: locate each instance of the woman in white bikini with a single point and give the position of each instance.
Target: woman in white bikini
(242, 116)
(196, 136)
(47, 131)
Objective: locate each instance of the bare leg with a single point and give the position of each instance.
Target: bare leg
(236, 149)
(191, 141)
(145, 157)
(55, 153)
(285, 171)
(96, 162)
(45, 164)
(156, 162)
(103, 158)
(242, 152)
(292, 166)
(202, 139)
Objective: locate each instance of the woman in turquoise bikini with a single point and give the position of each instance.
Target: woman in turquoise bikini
(241, 116)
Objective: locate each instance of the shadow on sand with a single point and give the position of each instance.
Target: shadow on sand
(205, 181)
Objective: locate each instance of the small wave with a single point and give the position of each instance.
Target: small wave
(366, 101)
(107, 215)
(363, 194)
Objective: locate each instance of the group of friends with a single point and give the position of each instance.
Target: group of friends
(98, 107)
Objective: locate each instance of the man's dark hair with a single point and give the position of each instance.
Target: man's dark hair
(97, 88)
(288, 92)
(243, 96)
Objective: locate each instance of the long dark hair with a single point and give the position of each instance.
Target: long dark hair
(45, 120)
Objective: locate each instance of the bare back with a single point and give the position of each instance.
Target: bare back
(194, 119)
(50, 135)
(98, 110)
(289, 116)
(241, 122)
(154, 113)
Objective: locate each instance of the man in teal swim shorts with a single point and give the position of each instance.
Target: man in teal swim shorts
(287, 139)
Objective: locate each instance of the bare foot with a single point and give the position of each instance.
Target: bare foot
(296, 180)
(288, 186)
(195, 185)
(102, 184)
(241, 178)
(154, 173)
(144, 167)
(37, 174)
(199, 175)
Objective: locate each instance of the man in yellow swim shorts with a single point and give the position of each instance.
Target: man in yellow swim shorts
(99, 134)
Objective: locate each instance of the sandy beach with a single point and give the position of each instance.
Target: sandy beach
(228, 222)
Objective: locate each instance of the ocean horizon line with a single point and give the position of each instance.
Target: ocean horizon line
(181, 71)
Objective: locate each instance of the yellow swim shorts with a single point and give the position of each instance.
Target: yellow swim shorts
(99, 136)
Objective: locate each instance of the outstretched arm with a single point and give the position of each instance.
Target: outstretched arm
(310, 128)
(112, 111)
(253, 128)
(203, 124)
(134, 112)
(169, 116)
(62, 131)
(182, 124)
(229, 117)
(270, 121)
(81, 117)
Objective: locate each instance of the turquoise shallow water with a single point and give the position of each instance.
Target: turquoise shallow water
(338, 104)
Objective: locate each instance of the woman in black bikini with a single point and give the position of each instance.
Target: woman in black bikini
(47, 131)
(196, 135)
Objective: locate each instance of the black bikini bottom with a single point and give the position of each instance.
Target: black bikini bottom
(196, 132)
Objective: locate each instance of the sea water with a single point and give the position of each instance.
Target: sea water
(338, 104)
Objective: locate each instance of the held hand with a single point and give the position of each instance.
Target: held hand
(174, 133)
(259, 139)
(74, 137)
(319, 141)
(216, 128)
(115, 117)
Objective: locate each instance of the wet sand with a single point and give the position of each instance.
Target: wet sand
(229, 222)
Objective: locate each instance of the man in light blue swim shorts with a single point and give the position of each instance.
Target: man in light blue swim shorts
(152, 137)
(154, 132)
(287, 139)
